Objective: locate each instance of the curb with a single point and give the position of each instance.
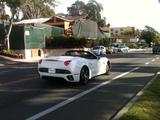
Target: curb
(125, 108)
(21, 60)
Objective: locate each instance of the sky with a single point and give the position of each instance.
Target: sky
(123, 13)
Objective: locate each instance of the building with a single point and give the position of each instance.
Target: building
(64, 22)
(28, 36)
(123, 34)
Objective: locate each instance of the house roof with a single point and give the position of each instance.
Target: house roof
(45, 20)
(63, 18)
(31, 21)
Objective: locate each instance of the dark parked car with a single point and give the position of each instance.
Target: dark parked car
(156, 48)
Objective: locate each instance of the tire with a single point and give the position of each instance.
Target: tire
(84, 76)
(108, 68)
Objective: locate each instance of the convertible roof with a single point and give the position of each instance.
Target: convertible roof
(78, 50)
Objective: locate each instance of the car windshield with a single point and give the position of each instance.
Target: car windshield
(83, 54)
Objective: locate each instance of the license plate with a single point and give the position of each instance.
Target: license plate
(51, 70)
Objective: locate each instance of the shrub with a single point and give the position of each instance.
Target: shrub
(8, 52)
(72, 42)
(11, 53)
(133, 45)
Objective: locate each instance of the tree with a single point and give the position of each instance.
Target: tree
(30, 9)
(129, 32)
(148, 28)
(92, 9)
(77, 9)
(3, 15)
(14, 7)
(47, 11)
(149, 34)
(37, 8)
(157, 38)
(2, 9)
(102, 23)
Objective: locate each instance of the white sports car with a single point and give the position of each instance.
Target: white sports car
(74, 66)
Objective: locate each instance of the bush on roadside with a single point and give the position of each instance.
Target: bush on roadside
(133, 45)
(8, 52)
(11, 53)
(72, 42)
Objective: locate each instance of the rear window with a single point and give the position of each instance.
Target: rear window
(97, 47)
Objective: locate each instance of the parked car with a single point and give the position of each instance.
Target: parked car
(118, 47)
(98, 50)
(74, 66)
(123, 49)
(156, 48)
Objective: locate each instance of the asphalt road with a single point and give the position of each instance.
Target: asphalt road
(23, 96)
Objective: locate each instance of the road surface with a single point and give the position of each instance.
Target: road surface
(23, 96)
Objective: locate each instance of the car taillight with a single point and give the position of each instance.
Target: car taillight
(40, 61)
(66, 63)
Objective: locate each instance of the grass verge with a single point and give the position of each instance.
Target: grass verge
(147, 107)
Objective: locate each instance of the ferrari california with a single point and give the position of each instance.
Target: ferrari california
(74, 66)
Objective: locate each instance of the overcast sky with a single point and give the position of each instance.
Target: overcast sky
(122, 13)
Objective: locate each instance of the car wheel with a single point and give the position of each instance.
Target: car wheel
(84, 75)
(108, 67)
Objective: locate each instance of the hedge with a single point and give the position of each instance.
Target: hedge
(72, 42)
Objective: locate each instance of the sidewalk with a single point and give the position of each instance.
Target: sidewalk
(22, 60)
(140, 50)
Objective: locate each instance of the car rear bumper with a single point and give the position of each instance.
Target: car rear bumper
(67, 77)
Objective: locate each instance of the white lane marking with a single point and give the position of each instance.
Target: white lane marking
(157, 57)
(153, 60)
(147, 63)
(55, 107)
